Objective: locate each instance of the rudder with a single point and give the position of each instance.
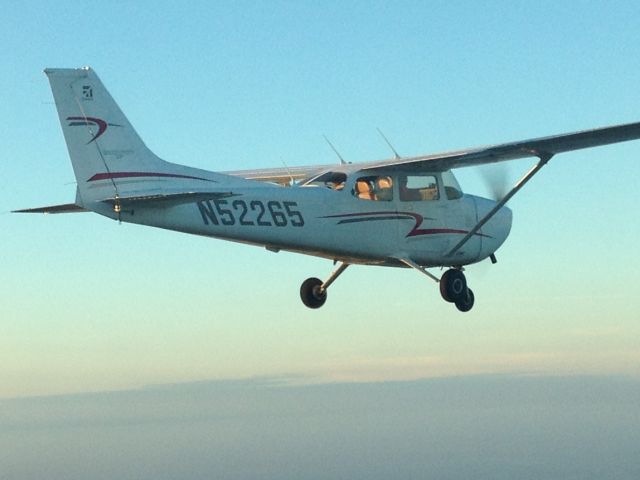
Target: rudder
(101, 141)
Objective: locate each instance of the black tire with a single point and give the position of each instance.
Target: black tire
(453, 285)
(310, 293)
(466, 304)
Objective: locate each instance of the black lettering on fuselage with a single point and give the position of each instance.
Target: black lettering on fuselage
(207, 212)
(256, 213)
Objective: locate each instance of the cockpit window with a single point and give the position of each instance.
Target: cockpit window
(451, 186)
(374, 187)
(332, 180)
(415, 188)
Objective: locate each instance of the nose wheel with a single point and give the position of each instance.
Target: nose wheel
(454, 289)
(453, 285)
(466, 303)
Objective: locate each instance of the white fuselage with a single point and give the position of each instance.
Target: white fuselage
(336, 224)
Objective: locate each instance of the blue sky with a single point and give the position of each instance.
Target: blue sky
(87, 304)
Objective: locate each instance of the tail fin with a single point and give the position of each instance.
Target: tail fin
(103, 146)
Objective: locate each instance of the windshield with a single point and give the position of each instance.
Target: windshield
(451, 186)
(332, 180)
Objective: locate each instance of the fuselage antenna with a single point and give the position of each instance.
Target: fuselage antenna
(389, 143)
(342, 160)
(291, 180)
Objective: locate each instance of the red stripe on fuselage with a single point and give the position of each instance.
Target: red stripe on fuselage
(400, 215)
(113, 175)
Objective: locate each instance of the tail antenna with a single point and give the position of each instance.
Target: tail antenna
(342, 160)
(398, 157)
(104, 162)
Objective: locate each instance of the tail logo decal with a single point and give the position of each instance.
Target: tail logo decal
(91, 122)
(87, 92)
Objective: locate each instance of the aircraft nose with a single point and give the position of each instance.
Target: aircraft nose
(497, 228)
(500, 226)
(504, 220)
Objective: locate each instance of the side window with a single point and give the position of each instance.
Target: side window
(374, 188)
(415, 188)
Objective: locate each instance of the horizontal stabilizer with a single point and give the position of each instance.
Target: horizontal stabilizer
(164, 200)
(66, 208)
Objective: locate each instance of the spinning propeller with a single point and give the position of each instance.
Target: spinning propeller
(496, 179)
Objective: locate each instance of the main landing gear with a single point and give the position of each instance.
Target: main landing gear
(453, 287)
(313, 291)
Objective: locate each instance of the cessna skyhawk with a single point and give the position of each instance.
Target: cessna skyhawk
(402, 212)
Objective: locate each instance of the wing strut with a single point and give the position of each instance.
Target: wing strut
(415, 266)
(335, 274)
(544, 158)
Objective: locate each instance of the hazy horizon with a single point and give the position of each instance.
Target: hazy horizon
(484, 426)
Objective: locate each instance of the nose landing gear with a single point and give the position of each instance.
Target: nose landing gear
(454, 289)
(453, 285)
(466, 303)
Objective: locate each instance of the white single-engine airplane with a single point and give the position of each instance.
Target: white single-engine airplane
(402, 212)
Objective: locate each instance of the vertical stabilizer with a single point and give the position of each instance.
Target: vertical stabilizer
(103, 146)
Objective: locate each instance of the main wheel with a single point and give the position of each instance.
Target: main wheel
(453, 285)
(465, 304)
(312, 294)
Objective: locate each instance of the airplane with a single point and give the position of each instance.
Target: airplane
(401, 212)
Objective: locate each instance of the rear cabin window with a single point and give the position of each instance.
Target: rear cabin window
(374, 187)
(416, 188)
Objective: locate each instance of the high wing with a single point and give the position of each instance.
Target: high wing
(544, 147)
(537, 147)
